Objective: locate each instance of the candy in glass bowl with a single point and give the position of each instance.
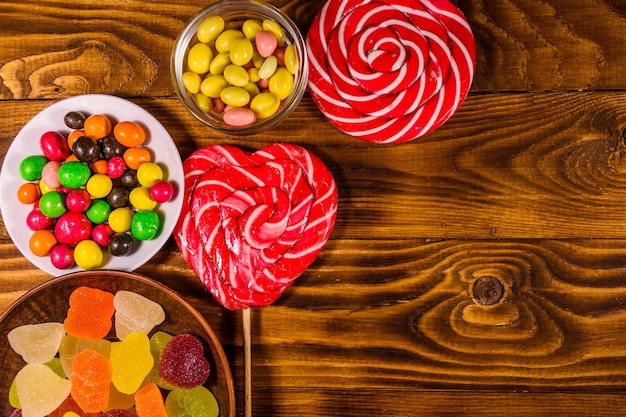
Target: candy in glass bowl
(240, 66)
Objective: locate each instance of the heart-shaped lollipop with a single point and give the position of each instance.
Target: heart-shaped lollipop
(251, 223)
(390, 71)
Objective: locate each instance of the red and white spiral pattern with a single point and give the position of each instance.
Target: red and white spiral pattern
(251, 223)
(390, 71)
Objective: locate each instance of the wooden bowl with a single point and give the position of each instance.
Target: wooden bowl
(50, 302)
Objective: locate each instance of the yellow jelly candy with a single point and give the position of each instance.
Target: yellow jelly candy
(203, 102)
(225, 40)
(213, 85)
(264, 105)
(236, 75)
(252, 89)
(268, 68)
(241, 51)
(219, 63)
(191, 81)
(251, 27)
(199, 58)
(131, 361)
(210, 28)
(281, 83)
(291, 59)
(276, 29)
(235, 96)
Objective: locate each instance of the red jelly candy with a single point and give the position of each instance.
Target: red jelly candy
(119, 413)
(183, 363)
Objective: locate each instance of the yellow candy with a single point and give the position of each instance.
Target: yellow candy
(257, 59)
(272, 26)
(203, 102)
(221, 61)
(149, 173)
(213, 85)
(241, 51)
(281, 83)
(44, 188)
(199, 58)
(236, 75)
(250, 28)
(264, 105)
(88, 255)
(268, 68)
(191, 81)
(225, 40)
(291, 59)
(210, 28)
(235, 96)
(131, 361)
(99, 185)
(140, 199)
(252, 89)
(121, 218)
(253, 75)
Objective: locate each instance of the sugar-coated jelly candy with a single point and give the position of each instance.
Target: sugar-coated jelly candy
(119, 413)
(69, 406)
(36, 343)
(91, 380)
(149, 401)
(90, 313)
(131, 361)
(195, 402)
(135, 313)
(71, 345)
(119, 400)
(157, 344)
(183, 363)
(40, 389)
(99, 185)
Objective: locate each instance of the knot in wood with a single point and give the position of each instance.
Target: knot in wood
(487, 290)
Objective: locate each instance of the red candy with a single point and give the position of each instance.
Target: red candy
(77, 200)
(392, 70)
(72, 227)
(252, 223)
(182, 362)
(54, 146)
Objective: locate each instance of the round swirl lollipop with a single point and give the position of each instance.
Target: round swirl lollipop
(251, 223)
(390, 71)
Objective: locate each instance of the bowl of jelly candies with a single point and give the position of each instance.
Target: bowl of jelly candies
(240, 66)
(105, 341)
(91, 182)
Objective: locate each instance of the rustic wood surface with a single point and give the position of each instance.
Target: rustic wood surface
(480, 269)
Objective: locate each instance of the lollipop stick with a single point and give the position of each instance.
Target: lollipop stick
(247, 362)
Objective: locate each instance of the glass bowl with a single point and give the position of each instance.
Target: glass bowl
(234, 13)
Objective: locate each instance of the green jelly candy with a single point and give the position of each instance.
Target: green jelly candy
(145, 225)
(194, 402)
(32, 166)
(52, 204)
(74, 174)
(13, 400)
(98, 212)
(157, 344)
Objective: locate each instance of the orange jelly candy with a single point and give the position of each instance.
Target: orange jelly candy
(69, 405)
(91, 380)
(149, 402)
(90, 312)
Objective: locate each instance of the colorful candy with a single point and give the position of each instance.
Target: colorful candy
(76, 175)
(36, 343)
(245, 63)
(90, 313)
(40, 389)
(90, 380)
(135, 313)
(252, 223)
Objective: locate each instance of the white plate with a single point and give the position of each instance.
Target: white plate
(26, 143)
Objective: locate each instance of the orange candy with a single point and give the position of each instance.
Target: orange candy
(74, 134)
(99, 166)
(97, 126)
(90, 313)
(91, 380)
(149, 401)
(129, 134)
(28, 193)
(41, 242)
(136, 156)
(69, 405)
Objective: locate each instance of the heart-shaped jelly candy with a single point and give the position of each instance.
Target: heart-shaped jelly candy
(182, 362)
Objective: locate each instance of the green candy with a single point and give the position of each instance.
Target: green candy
(145, 225)
(74, 174)
(157, 344)
(52, 204)
(194, 402)
(31, 167)
(98, 212)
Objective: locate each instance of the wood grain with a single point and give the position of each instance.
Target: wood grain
(522, 190)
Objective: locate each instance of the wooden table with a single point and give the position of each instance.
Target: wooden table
(480, 269)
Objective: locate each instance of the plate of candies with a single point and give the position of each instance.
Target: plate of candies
(91, 182)
(110, 343)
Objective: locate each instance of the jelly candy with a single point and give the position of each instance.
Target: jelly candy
(158, 341)
(17, 413)
(195, 402)
(119, 413)
(40, 390)
(36, 343)
(149, 402)
(71, 345)
(54, 364)
(135, 313)
(119, 400)
(90, 312)
(70, 406)
(91, 379)
(131, 361)
(183, 363)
